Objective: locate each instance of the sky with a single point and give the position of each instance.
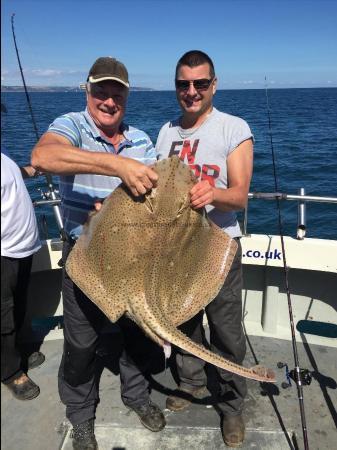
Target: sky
(292, 43)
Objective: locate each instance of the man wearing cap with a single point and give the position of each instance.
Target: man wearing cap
(93, 151)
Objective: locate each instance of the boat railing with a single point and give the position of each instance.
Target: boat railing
(301, 198)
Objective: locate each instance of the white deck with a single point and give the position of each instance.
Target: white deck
(271, 413)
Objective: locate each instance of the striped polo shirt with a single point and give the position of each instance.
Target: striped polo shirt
(79, 192)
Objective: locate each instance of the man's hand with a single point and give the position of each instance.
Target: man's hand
(137, 177)
(202, 194)
(30, 172)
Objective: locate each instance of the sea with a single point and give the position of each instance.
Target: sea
(303, 132)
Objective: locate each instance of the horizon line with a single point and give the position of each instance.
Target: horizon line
(145, 88)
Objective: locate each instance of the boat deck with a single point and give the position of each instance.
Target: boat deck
(271, 412)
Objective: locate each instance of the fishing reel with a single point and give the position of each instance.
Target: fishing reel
(48, 195)
(304, 376)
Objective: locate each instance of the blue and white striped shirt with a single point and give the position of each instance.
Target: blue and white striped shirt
(79, 192)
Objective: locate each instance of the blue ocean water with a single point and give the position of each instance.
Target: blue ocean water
(304, 131)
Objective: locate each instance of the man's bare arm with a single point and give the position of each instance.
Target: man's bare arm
(55, 154)
(239, 173)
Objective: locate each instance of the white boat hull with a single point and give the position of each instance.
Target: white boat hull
(312, 278)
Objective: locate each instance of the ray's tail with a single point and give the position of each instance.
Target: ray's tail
(156, 324)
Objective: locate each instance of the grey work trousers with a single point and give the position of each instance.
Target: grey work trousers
(224, 315)
(83, 322)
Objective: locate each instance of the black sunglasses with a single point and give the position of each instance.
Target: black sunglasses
(200, 85)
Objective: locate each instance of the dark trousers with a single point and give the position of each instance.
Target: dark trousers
(15, 274)
(83, 322)
(227, 339)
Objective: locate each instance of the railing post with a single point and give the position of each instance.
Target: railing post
(301, 216)
(245, 220)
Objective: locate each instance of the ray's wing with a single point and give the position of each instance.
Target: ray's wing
(106, 262)
(192, 256)
(191, 270)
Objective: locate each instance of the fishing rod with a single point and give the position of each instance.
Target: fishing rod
(300, 376)
(51, 193)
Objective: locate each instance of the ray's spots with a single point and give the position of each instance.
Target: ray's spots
(160, 268)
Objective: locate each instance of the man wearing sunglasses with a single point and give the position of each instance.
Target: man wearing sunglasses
(93, 151)
(218, 147)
